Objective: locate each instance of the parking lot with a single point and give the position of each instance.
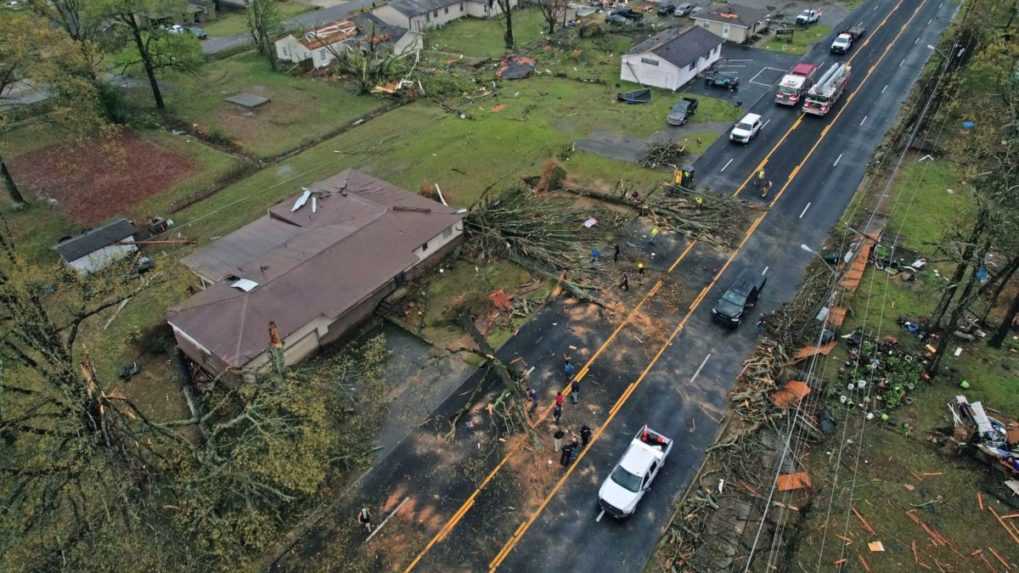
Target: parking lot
(758, 71)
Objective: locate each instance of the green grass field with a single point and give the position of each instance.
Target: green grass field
(302, 108)
(802, 40)
(474, 37)
(421, 143)
(233, 22)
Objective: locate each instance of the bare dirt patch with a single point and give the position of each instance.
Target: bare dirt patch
(93, 181)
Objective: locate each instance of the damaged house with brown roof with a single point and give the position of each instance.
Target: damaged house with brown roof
(316, 265)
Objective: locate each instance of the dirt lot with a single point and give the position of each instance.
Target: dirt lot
(91, 182)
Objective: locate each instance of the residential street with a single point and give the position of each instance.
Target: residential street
(305, 21)
(669, 367)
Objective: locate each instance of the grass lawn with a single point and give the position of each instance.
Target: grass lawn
(939, 201)
(422, 143)
(802, 40)
(301, 109)
(474, 37)
(233, 22)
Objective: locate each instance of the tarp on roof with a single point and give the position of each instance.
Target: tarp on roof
(95, 239)
(729, 13)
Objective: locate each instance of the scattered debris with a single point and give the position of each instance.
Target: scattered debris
(876, 547)
(635, 97)
(663, 154)
(515, 68)
(794, 481)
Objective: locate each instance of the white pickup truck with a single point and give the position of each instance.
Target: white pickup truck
(633, 475)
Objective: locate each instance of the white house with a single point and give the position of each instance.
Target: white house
(733, 22)
(420, 15)
(321, 45)
(98, 248)
(671, 59)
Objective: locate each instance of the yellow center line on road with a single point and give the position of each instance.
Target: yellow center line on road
(526, 525)
(469, 503)
(799, 119)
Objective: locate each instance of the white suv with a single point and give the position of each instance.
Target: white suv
(746, 129)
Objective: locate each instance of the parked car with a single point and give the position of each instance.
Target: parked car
(631, 478)
(619, 20)
(628, 13)
(739, 298)
(721, 80)
(683, 9)
(195, 31)
(681, 111)
(746, 129)
(666, 10)
(808, 17)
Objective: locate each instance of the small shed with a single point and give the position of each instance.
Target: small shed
(97, 248)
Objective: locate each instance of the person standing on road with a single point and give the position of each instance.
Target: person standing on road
(557, 413)
(560, 399)
(615, 254)
(585, 436)
(569, 369)
(568, 451)
(532, 395)
(364, 517)
(625, 284)
(557, 439)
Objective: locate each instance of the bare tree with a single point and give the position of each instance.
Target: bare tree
(554, 12)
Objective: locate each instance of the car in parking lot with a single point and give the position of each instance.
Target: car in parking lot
(681, 111)
(741, 296)
(746, 129)
(683, 9)
(631, 478)
(721, 80)
(666, 9)
(628, 13)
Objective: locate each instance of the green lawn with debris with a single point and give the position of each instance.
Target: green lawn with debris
(507, 137)
(483, 38)
(802, 39)
(302, 109)
(901, 471)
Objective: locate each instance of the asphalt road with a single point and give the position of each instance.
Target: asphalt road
(685, 390)
(305, 21)
(667, 367)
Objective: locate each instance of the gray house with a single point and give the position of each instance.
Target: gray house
(98, 248)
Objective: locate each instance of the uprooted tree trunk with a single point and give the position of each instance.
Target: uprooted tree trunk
(707, 217)
(1006, 324)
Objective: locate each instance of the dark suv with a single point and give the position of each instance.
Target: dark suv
(738, 299)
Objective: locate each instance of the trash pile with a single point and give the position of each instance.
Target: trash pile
(663, 154)
(996, 438)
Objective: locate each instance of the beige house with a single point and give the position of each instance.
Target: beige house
(316, 266)
(733, 22)
(420, 15)
(319, 47)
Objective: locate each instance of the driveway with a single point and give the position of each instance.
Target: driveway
(305, 21)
